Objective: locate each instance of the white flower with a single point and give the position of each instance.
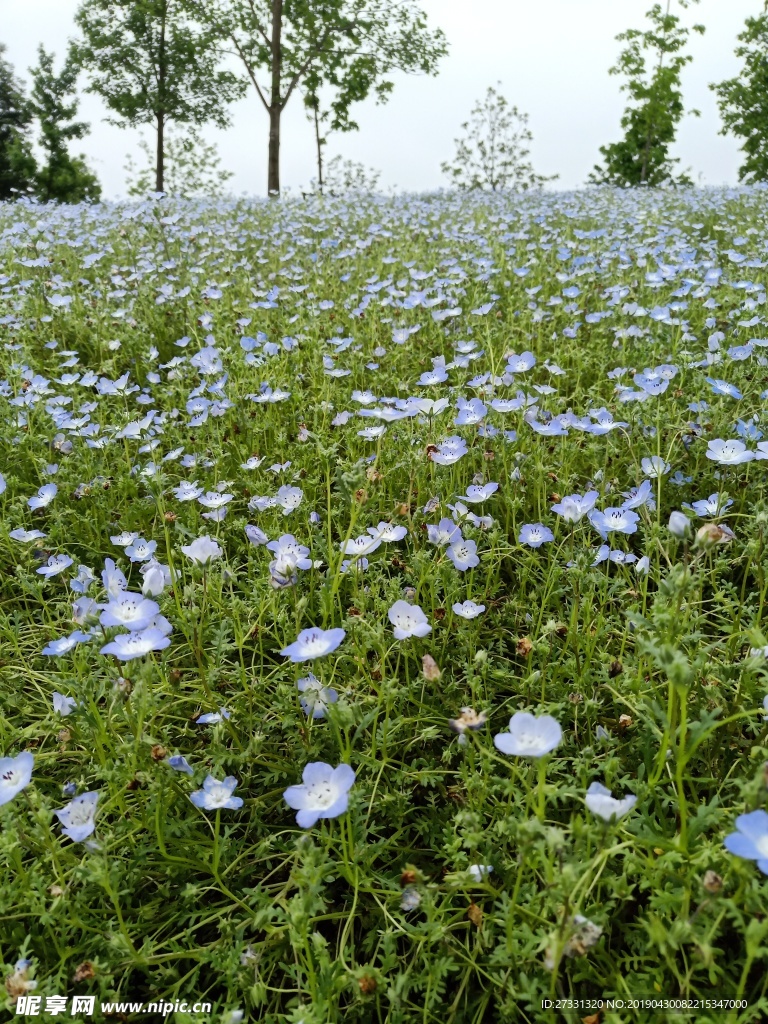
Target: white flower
(289, 498)
(203, 550)
(654, 467)
(365, 544)
(605, 806)
(478, 493)
(133, 611)
(55, 565)
(25, 536)
(217, 795)
(15, 774)
(388, 532)
(316, 697)
(728, 453)
(255, 535)
(123, 539)
(156, 578)
(128, 646)
(313, 643)
(44, 496)
(141, 550)
(77, 818)
(188, 490)
(408, 620)
(63, 705)
(479, 871)
(215, 500)
(469, 610)
(679, 524)
(529, 736)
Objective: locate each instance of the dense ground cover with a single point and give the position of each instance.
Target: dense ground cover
(224, 424)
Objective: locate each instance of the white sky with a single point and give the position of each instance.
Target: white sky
(551, 56)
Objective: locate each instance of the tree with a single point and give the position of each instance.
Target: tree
(346, 46)
(652, 62)
(153, 64)
(191, 168)
(17, 163)
(492, 153)
(54, 103)
(743, 101)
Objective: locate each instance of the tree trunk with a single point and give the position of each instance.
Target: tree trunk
(275, 101)
(160, 114)
(160, 154)
(319, 142)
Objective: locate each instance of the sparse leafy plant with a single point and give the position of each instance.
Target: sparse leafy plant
(192, 168)
(493, 152)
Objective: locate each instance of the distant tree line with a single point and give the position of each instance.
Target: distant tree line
(175, 66)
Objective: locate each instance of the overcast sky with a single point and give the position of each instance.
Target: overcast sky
(551, 56)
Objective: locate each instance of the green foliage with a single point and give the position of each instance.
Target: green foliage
(743, 101)
(54, 103)
(652, 63)
(492, 154)
(193, 168)
(347, 48)
(152, 63)
(17, 162)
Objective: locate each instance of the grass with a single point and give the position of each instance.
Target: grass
(651, 676)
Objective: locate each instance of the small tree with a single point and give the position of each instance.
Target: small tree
(493, 153)
(17, 164)
(54, 103)
(652, 63)
(743, 101)
(153, 64)
(192, 168)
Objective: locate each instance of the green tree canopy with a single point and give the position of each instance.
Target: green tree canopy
(652, 63)
(153, 63)
(54, 104)
(743, 101)
(17, 163)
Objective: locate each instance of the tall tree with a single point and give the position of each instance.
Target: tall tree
(152, 63)
(17, 164)
(54, 104)
(349, 47)
(652, 62)
(492, 154)
(743, 101)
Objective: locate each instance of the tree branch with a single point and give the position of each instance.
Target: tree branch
(249, 69)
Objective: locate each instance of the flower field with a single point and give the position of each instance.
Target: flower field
(382, 586)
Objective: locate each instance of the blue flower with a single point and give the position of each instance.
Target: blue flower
(180, 764)
(215, 795)
(534, 535)
(316, 697)
(324, 792)
(750, 839)
(213, 717)
(15, 774)
(722, 387)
